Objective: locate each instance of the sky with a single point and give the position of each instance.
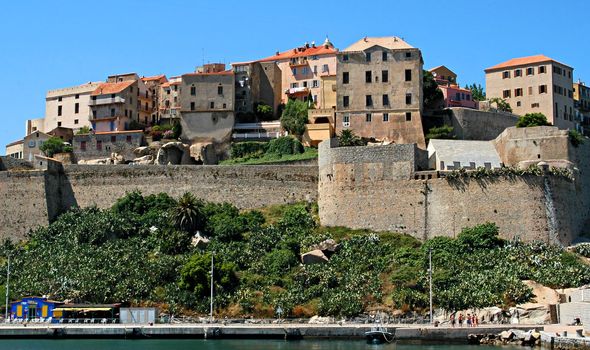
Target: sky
(47, 45)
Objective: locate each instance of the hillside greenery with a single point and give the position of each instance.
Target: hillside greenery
(139, 251)
(282, 149)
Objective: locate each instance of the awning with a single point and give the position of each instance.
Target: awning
(84, 309)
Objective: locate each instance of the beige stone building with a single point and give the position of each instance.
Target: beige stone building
(15, 149)
(169, 100)
(66, 107)
(154, 87)
(582, 107)
(534, 84)
(207, 109)
(379, 90)
(256, 82)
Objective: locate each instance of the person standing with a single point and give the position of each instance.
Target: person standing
(452, 318)
(460, 320)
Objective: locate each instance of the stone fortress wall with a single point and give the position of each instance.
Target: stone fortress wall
(358, 189)
(35, 197)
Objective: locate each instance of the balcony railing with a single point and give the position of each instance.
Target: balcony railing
(256, 135)
(106, 101)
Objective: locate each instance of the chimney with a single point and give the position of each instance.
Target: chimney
(277, 53)
(365, 39)
(306, 45)
(313, 43)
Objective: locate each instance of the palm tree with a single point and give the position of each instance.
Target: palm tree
(348, 138)
(187, 214)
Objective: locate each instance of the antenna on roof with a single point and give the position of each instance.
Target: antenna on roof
(203, 53)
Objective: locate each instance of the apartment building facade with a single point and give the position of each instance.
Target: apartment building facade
(153, 85)
(15, 149)
(169, 100)
(582, 107)
(255, 83)
(379, 90)
(302, 69)
(453, 94)
(534, 84)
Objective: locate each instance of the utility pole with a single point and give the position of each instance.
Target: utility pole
(430, 280)
(211, 306)
(7, 286)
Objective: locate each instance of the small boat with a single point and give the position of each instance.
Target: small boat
(379, 335)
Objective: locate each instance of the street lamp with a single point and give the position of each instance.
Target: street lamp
(211, 306)
(430, 280)
(7, 287)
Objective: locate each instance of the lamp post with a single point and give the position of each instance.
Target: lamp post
(211, 306)
(430, 281)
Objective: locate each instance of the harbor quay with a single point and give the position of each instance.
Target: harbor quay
(252, 331)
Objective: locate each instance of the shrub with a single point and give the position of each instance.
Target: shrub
(484, 236)
(83, 130)
(52, 146)
(177, 129)
(348, 138)
(294, 117)
(532, 119)
(263, 111)
(440, 132)
(248, 149)
(285, 145)
(576, 138)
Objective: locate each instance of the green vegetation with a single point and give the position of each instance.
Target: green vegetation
(532, 119)
(83, 130)
(501, 104)
(576, 138)
(477, 92)
(263, 111)
(440, 132)
(140, 251)
(348, 138)
(294, 117)
(54, 145)
(433, 97)
(282, 149)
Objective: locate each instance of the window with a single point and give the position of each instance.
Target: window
(506, 94)
(518, 103)
(570, 94)
(505, 74)
(175, 87)
(386, 100)
(192, 106)
(368, 56)
(542, 89)
(315, 69)
(384, 76)
(468, 97)
(77, 96)
(457, 96)
(294, 71)
(58, 111)
(369, 101)
(294, 85)
(530, 71)
(324, 68)
(211, 104)
(224, 106)
(76, 121)
(518, 92)
(345, 58)
(83, 145)
(530, 90)
(315, 84)
(94, 114)
(368, 76)
(534, 105)
(368, 117)
(518, 73)
(542, 69)
(408, 75)
(58, 123)
(99, 145)
(113, 139)
(346, 120)
(305, 84)
(408, 99)
(128, 139)
(408, 54)
(76, 108)
(408, 116)
(167, 91)
(315, 98)
(304, 70)
(131, 89)
(112, 112)
(384, 56)
(193, 91)
(345, 101)
(220, 90)
(59, 99)
(345, 77)
(385, 117)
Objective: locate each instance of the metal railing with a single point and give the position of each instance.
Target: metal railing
(106, 101)
(256, 135)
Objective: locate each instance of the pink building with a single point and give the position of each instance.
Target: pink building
(304, 70)
(454, 95)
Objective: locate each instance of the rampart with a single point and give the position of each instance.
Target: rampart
(33, 198)
(380, 188)
(473, 124)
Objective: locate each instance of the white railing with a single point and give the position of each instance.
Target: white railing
(257, 135)
(106, 101)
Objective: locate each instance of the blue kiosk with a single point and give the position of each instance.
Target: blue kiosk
(33, 308)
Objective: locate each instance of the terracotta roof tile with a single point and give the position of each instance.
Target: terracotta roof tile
(301, 52)
(112, 88)
(388, 42)
(225, 72)
(522, 61)
(155, 77)
(15, 143)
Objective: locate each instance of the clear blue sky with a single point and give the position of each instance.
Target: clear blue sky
(53, 44)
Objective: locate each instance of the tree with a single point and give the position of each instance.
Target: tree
(294, 117)
(477, 92)
(532, 119)
(348, 138)
(501, 104)
(433, 97)
(84, 130)
(263, 111)
(195, 275)
(440, 132)
(54, 145)
(188, 213)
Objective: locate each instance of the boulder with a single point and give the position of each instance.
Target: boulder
(319, 320)
(117, 158)
(203, 152)
(314, 257)
(506, 335)
(96, 161)
(329, 245)
(142, 151)
(148, 159)
(174, 153)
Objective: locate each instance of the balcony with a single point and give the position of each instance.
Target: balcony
(298, 62)
(106, 101)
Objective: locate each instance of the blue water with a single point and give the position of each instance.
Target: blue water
(161, 344)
